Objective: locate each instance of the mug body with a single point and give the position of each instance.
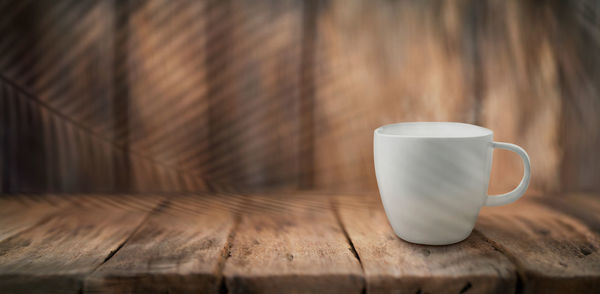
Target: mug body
(433, 178)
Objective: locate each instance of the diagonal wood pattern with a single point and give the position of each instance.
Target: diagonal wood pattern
(149, 96)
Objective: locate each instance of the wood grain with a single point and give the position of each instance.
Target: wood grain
(584, 207)
(178, 249)
(393, 265)
(554, 252)
(521, 94)
(56, 254)
(21, 212)
(303, 242)
(407, 62)
(56, 66)
(294, 245)
(225, 95)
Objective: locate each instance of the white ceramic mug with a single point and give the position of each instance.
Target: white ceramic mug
(433, 178)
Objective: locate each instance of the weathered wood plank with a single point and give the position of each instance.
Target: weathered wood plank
(178, 249)
(554, 252)
(56, 254)
(21, 212)
(583, 207)
(295, 243)
(393, 265)
(291, 244)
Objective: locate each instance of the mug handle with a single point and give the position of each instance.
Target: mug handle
(515, 194)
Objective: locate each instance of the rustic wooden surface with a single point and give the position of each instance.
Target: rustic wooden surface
(294, 245)
(55, 254)
(24, 211)
(289, 243)
(391, 266)
(178, 249)
(555, 253)
(572, 205)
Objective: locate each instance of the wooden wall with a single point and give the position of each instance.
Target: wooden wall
(528, 70)
(170, 96)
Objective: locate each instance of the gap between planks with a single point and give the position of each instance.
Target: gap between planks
(520, 271)
(334, 207)
(166, 208)
(336, 214)
(162, 204)
(226, 253)
(292, 242)
(59, 252)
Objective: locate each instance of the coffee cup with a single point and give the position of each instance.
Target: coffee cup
(433, 178)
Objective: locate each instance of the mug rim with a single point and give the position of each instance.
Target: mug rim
(479, 133)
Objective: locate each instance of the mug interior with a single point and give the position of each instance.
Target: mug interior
(433, 130)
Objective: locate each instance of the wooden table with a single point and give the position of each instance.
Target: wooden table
(295, 242)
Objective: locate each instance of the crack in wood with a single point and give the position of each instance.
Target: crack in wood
(349, 240)
(521, 277)
(81, 286)
(226, 254)
(341, 224)
(466, 288)
(226, 251)
(159, 207)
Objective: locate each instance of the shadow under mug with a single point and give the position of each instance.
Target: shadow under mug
(433, 178)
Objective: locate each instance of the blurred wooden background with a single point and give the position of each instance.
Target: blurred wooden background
(171, 96)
